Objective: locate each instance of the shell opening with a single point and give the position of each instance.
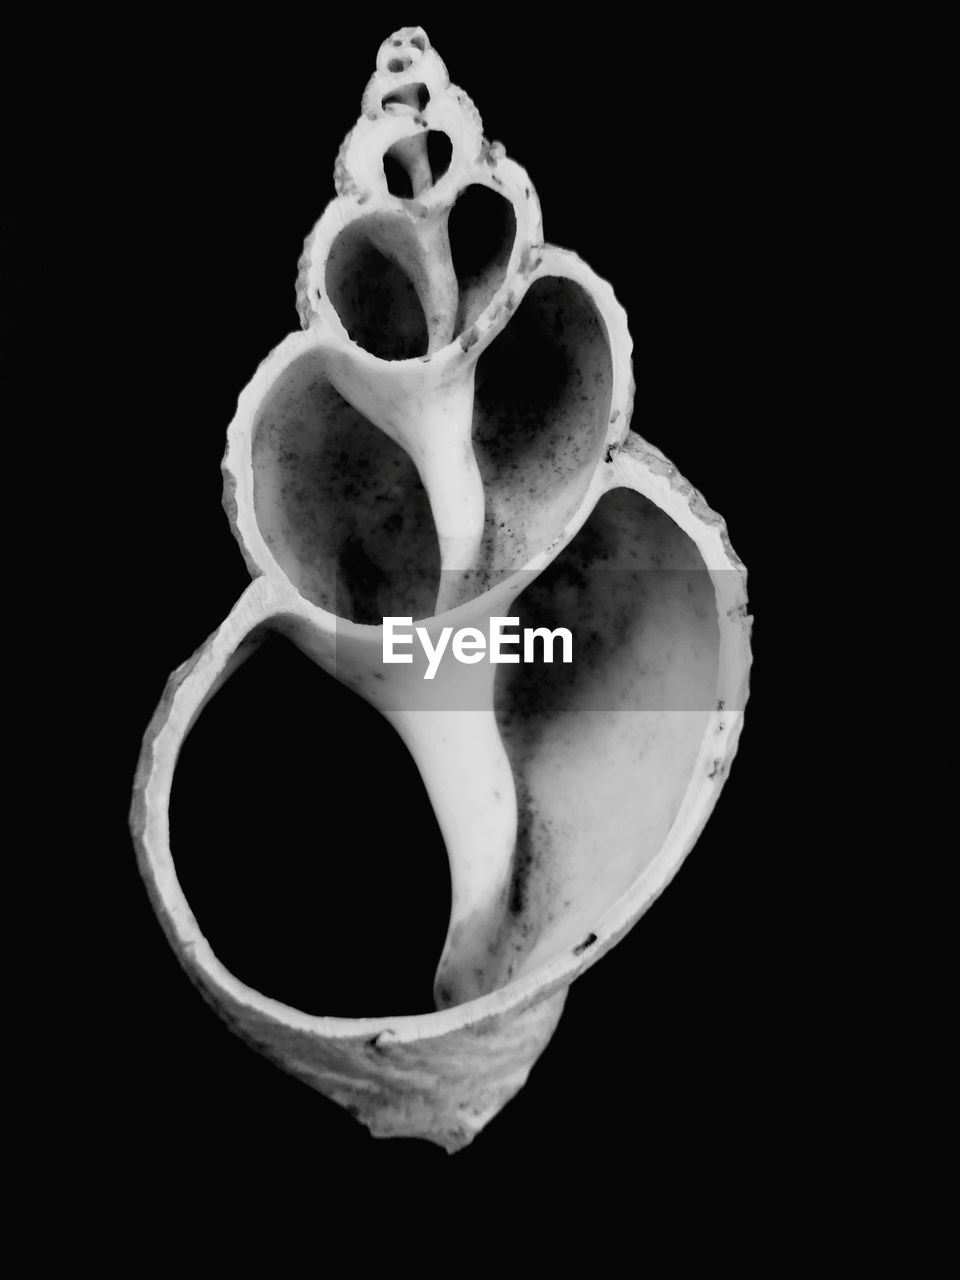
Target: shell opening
(541, 413)
(339, 505)
(373, 295)
(603, 751)
(482, 227)
(302, 889)
(412, 97)
(414, 165)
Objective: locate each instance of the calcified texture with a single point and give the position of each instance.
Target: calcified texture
(447, 439)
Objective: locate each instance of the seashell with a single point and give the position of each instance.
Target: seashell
(447, 441)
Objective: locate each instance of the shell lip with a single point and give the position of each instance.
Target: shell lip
(549, 977)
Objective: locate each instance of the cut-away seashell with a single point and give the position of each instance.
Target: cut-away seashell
(447, 441)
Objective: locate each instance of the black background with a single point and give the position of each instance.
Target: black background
(767, 212)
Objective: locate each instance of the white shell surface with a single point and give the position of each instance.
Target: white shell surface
(650, 774)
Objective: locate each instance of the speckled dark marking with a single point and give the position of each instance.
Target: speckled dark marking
(542, 401)
(482, 227)
(588, 941)
(342, 505)
(522, 861)
(376, 301)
